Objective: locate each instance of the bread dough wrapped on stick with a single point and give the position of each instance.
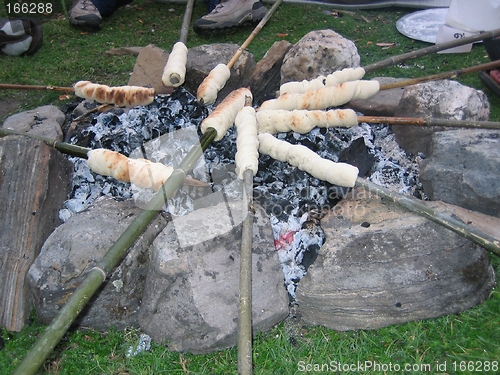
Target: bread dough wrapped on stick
(212, 84)
(323, 98)
(303, 121)
(334, 79)
(305, 159)
(141, 172)
(121, 96)
(247, 143)
(174, 72)
(223, 116)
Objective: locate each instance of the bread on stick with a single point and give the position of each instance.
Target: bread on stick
(247, 143)
(141, 172)
(121, 96)
(303, 121)
(223, 116)
(174, 72)
(323, 98)
(305, 159)
(212, 84)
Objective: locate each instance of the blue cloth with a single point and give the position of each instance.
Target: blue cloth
(211, 4)
(108, 7)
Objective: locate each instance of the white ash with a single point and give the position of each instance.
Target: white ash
(293, 199)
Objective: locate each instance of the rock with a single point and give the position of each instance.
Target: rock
(383, 103)
(383, 265)
(45, 121)
(319, 52)
(148, 69)
(191, 296)
(34, 182)
(75, 247)
(202, 59)
(266, 76)
(463, 169)
(443, 99)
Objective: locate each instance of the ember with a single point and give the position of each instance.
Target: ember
(293, 199)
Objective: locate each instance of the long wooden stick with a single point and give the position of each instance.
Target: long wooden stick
(9, 86)
(394, 60)
(445, 75)
(186, 21)
(422, 208)
(245, 302)
(255, 31)
(419, 121)
(98, 274)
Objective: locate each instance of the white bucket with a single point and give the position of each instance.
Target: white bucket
(474, 16)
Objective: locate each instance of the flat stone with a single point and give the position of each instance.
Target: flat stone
(78, 245)
(148, 69)
(45, 121)
(383, 265)
(191, 295)
(34, 182)
(383, 103)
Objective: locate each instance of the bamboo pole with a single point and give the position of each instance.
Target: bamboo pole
(255, 31)
(420, 207)
(419, 121)
(445, 75)
(97, 275)
(9, 86)
(394, 60)
(245, 302)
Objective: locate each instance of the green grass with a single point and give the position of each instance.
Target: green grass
(69, 55)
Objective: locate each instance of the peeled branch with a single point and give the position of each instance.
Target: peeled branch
(141, 172)
(247, 143)
(303, 121)
(212, 84)
(174, 72)
(334, 79)
(323, 98)
(122, 96)
(305, 159)
(223, 116)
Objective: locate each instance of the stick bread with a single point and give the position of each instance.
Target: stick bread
(323, 98)
(223, 116)
(141, 172)
(303, 121)
(212, 84)
(247, 143)
(174, 72)
(305, 159)
(121, 96)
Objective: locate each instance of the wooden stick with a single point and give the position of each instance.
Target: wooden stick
(97, 275)
(419, 121)
(422, 208)
(186, 21)
(394, 60)
(445, 75)
(8, 86)
(245, 302)
(257, 29)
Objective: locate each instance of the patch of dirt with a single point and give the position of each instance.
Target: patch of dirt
(8, 106)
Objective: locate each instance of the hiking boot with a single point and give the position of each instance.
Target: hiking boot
(83, 13)
(231, 13)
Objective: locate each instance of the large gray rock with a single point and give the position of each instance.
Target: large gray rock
(319, 52)
(75, 247)
(443, 99)
(148, 69)
(34, 182)
(202, 59)
(191, 295)
(383, 103)
(382, 265)
(45, 121)
(463, 169)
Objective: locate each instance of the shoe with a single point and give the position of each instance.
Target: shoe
(83, 13)
(231, 13)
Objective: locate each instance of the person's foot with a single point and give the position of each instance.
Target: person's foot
(231, 13)
(84, 14)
